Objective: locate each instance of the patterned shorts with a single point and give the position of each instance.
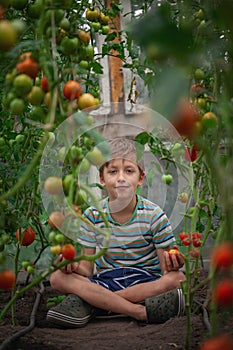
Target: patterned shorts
(123, 277)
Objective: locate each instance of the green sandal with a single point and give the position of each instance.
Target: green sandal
(164, 306)
(72, 312)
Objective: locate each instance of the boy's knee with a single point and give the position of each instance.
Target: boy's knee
(175, 278)
(54, 279)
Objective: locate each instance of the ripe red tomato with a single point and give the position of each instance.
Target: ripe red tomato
(190, 154)
(68, 251)
(44, 84)
(27, 236)
(222, 255)
(7, 279)
(28, 66)
(185, 118)
(173, 251)
(223, 293)
(223, 341)
(196, 90)
(196, 239)
(56, 219)
(194, 253)
(72, 90)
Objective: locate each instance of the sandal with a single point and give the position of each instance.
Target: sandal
(72, 312)
(164, 306)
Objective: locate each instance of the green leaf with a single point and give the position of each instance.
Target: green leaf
(111, 36)
(97, 67)
(142, 138)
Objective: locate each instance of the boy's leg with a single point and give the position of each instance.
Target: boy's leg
(140, 292)
(96, 295)
(123, 301)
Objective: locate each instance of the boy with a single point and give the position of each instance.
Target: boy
(135, 277)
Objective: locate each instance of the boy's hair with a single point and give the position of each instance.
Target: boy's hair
(124, 148)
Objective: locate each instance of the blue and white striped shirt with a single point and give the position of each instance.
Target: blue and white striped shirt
(132, 244)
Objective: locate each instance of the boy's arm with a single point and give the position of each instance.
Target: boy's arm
(166, 263)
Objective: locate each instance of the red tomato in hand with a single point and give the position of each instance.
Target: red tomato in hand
(27, 236)
(7, 279)
(174, 251)
(68, 251)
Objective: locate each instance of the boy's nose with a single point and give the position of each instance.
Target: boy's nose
(121, 176)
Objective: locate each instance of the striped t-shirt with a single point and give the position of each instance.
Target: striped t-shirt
(132, 244)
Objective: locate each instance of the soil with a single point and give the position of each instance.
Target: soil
(120, 333)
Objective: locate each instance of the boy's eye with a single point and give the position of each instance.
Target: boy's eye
(112, 171)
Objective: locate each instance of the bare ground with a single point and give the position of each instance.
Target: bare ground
(114, 333)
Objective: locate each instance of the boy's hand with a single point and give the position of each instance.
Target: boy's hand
(70, 268)
(174, 260)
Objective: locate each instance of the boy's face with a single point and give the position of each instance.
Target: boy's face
(121, 177)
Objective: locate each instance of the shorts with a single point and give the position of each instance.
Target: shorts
(123, 277)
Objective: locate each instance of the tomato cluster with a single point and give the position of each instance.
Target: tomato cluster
(99, 20)
(193, 238)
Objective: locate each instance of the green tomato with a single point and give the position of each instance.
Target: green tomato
(84, 166)
(17, 106)
(52, 236)
(167, 178)
(30, 270)
(59, 238)
(199, 74)
(80, 197)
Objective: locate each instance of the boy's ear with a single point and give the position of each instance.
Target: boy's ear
(141, 178)
(102, 182)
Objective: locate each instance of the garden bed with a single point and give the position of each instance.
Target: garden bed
(99, 334)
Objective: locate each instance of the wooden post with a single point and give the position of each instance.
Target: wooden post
(115, 71)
